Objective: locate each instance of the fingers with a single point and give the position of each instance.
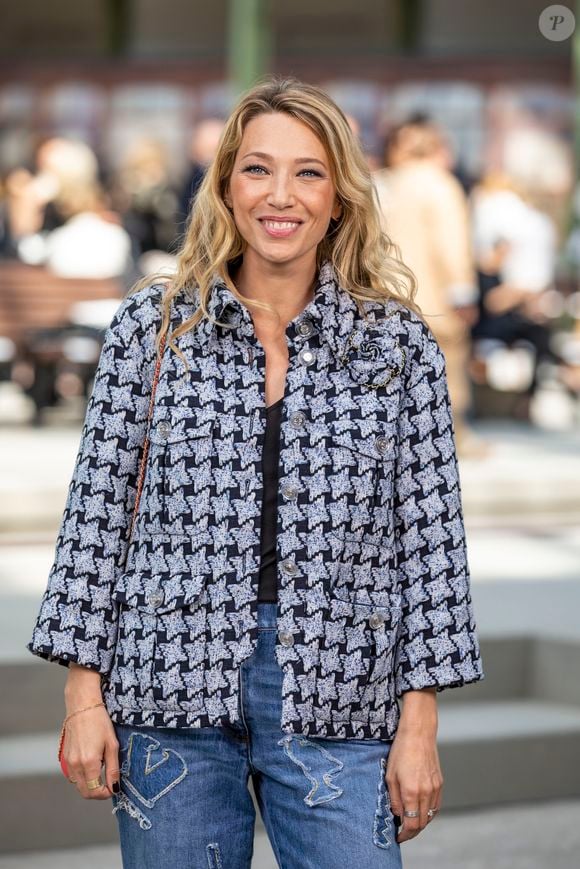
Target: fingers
(112, 771)
(394, 791)
(419, 799)
(87, 773)
(89, 745)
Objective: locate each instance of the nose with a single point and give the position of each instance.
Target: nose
(281, 192)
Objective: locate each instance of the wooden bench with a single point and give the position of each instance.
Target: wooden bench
(35, 311)
(32, 298)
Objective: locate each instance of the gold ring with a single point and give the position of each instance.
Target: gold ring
(94, 783)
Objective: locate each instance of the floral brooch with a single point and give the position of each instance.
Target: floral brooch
(364, 356)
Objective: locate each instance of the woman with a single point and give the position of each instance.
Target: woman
(298, 557)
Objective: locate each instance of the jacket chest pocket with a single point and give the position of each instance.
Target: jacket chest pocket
(361, 459)
(182, 451)
(161, 644)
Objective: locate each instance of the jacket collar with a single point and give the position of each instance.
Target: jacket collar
(332, 312)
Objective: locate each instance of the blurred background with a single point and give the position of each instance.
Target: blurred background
(469, 114)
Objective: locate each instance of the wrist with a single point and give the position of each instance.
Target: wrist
(419, 711)
(82, 686)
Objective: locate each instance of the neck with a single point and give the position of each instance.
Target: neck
(287, 287)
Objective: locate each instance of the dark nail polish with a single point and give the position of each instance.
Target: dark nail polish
(116, 787)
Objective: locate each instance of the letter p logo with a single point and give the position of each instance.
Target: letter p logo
(557, 23)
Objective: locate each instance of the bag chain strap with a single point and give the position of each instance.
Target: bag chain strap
(146, 443)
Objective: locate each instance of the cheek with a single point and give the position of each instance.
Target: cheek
(320, 205)
(244, 197)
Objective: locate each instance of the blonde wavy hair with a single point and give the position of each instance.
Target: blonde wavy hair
(366, 262)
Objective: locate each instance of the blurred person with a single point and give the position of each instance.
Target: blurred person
(204, 145)
(196, 617)
(147, 198)
(425, 211)
(35, 199)
(92, 243)
(516, 250)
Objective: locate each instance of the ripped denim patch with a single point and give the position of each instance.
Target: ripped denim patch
(317, 764)
(148, 773)
(122, 803)
(383, 823)
(214, 860)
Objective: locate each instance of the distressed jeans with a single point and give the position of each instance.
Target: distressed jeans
(185, 803)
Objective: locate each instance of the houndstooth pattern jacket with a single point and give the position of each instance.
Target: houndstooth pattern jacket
(373, 578)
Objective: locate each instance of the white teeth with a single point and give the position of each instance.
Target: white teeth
(276, 224)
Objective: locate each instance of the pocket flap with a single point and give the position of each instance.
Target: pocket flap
(158, 592)
(370, 437)
(172, 424)
(388, 604)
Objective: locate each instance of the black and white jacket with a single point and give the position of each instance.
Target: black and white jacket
(373, 579)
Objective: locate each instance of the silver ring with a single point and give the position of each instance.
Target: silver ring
(411, 814)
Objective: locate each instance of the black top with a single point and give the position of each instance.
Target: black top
(267, 582)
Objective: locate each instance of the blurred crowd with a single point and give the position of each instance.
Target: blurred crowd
(81, 219)
(485, 254)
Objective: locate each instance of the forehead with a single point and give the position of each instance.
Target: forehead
(281, 135)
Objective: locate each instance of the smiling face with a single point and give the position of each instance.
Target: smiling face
(281, 190)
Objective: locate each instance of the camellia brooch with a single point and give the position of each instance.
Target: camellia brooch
(365, 358)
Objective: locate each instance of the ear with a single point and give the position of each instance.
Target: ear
(337, 209)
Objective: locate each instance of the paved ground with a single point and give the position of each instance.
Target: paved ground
(531, 836)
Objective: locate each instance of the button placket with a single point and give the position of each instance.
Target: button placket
(305, 328)
(286, 638)
(164, 429)
(289, 567)
(307, 356)
(376, 619)
(289, 491)
(297, 419)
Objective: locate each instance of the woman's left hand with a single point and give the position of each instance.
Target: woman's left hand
(414, 778)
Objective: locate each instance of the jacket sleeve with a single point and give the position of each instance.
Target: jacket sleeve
(76, 620)
(437, 644)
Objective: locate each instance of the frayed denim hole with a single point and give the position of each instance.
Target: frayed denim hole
(300, 751)
(383, 823)
(127, 805)
(214, 860)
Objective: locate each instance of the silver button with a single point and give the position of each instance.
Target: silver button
(305, 328)
(155, 598)
(288, 566)
(297, 419)
(290, 492)
(307, 356)
(382, 444)
(376, 620)
(286, 638)
(163, 429)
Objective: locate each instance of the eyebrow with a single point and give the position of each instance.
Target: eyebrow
(268, 157)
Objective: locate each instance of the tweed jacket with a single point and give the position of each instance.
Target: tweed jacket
(373, 579)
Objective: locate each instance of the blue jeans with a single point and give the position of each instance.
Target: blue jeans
(324, 802)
